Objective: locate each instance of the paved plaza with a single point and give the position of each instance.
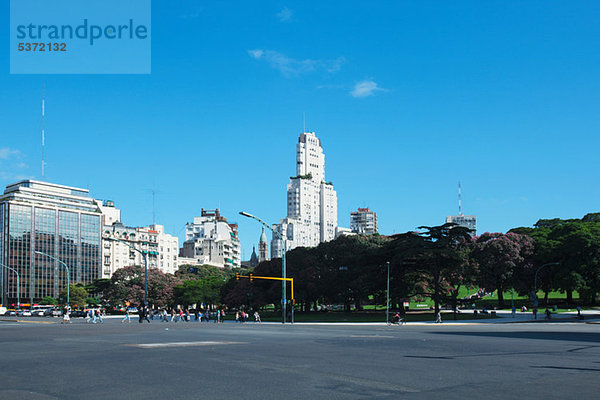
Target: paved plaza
(42, 359)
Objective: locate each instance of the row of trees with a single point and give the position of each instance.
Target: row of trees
(435, 262)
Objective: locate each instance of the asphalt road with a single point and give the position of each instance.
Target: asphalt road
(271, 361)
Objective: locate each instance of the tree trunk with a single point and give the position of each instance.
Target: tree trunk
(546, 293)
(436, 293)
(500, 297)
(569, 297)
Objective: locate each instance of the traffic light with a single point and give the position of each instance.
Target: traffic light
(250, 277)
(237, 276)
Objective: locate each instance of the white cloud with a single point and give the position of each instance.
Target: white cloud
(365, 88)
(255, 53)
(7, 153)
(285, 15)
(289, 66)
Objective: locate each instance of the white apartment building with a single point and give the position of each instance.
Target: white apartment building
(311, 201)
(364, 222)
(161, 249)
(210, 240)
(168, 250)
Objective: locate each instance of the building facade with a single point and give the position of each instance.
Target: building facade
(311, 201)
(468, 221)
(161, 249)
(363, 222)
(59, 221)
(211, 240)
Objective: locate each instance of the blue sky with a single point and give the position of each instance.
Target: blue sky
(408, 98)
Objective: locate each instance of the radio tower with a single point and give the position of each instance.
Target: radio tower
(43, 135)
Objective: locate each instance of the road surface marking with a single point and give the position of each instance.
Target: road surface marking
(179, 344)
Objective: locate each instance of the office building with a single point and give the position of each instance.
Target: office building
(63, 223)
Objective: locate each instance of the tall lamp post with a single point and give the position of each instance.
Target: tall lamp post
(145, 257)
(387, 307)
(283, 271)
(18, 284)
(67, 268)
(535, 302)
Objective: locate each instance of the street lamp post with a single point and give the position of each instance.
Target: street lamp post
(66, 267)
(535, 303)
(18, 284)
(145, 257)
(387, 307)
(283, 271)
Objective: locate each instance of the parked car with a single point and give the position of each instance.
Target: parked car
(38, 313)
(77, 314)
(11, 313)
(24, 313)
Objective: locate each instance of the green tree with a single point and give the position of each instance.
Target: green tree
(441, 258)
(49, 300)
(127, 284)
(77, 296)
(207, 290)
(499, 255)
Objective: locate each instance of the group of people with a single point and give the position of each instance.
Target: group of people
(242, 316)
(94, 315)
(175, 315)
(183, 315)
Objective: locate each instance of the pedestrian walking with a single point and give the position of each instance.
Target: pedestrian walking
(257, 317)
(578, 312)
(548, 314)
(438, 319)
(66, 317)
(127, 316)
(237, 316)
(222, 315)
(89, 316)
(146, 312)
(99, 316)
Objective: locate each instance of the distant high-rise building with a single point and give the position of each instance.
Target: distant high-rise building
(468, 221)
(212, 241)
(311, 201)
(63, 222)
(263, 247)
(363, 221)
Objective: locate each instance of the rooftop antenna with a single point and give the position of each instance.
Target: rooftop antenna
(43, 134)
(303, 122)
(459, 200)
(153, 209)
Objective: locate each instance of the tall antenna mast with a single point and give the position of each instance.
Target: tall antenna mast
(153, 212)
(459, 200)
(303, 122)
(43, 127)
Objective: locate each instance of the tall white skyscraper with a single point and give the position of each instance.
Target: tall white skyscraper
(311, 201)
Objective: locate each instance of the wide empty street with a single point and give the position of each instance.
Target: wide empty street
(42, 360)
